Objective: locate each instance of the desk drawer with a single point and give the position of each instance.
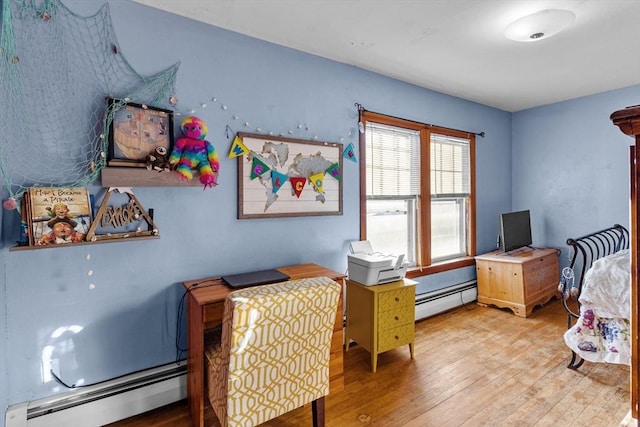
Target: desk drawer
(212, 314)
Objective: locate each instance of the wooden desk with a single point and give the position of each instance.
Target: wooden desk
(205, 307)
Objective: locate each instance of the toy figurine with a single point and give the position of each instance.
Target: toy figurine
(193, 151)
(158, 161)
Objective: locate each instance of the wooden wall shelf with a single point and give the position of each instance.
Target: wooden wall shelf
(141, 177)
(68, 245)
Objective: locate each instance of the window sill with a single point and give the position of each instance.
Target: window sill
(450, 264)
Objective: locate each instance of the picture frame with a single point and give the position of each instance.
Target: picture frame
(287, 177)
(135, 131)
(57, 215)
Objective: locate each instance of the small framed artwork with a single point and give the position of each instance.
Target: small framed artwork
(286, 177)
(136, 130)
(58, 215)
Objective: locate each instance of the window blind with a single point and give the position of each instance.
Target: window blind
(450, 167)
(392, 161)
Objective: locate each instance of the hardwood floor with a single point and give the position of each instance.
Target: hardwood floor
(473, 366)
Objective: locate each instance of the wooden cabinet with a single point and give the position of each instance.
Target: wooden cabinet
(518, 280)
(628, 121)
(381, 317)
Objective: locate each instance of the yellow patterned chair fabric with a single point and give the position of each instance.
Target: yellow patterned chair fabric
(272, 355)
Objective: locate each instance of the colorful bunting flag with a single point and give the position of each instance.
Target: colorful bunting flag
(317, 181)
(237, 148)
(258, 167)
(277, 180)
(297, 184)
(334, 171)
(349, 153)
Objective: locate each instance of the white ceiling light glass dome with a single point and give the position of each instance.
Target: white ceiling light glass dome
(539, 25)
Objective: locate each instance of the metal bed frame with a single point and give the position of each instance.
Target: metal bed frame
(586, 250)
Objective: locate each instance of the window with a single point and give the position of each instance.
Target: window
(417, 191)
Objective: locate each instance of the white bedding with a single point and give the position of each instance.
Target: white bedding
(601, 334)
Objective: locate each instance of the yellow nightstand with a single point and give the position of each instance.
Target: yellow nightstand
(381, 317)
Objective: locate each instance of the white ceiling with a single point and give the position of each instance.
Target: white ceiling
(450, 46)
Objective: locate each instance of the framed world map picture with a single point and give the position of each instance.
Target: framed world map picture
(285, 177)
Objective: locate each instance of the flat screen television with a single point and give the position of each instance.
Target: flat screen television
(515, 230)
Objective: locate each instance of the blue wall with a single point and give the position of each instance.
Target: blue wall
(571, 167)
(127, 320)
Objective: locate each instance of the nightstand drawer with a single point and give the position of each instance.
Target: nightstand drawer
(397, 298)
(392, 338)
(393, 318)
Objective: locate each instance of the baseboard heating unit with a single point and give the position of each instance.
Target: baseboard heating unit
(431, 303)
(106, 402)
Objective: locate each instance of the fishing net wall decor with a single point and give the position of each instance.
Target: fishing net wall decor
(56, 70)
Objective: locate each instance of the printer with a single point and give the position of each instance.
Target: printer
(371, 268)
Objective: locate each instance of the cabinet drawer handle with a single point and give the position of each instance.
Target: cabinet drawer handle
(397, 318)
(397, 299)
(397, 337)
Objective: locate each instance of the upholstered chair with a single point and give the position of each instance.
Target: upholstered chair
(272, 354)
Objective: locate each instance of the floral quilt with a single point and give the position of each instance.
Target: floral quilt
(602, 332)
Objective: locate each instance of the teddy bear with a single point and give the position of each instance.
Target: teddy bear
(193, 151)
(158, 161)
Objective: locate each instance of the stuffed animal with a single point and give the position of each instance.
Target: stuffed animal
(193, 151)
(158, 161)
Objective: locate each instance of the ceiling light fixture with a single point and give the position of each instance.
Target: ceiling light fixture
(539, 25)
